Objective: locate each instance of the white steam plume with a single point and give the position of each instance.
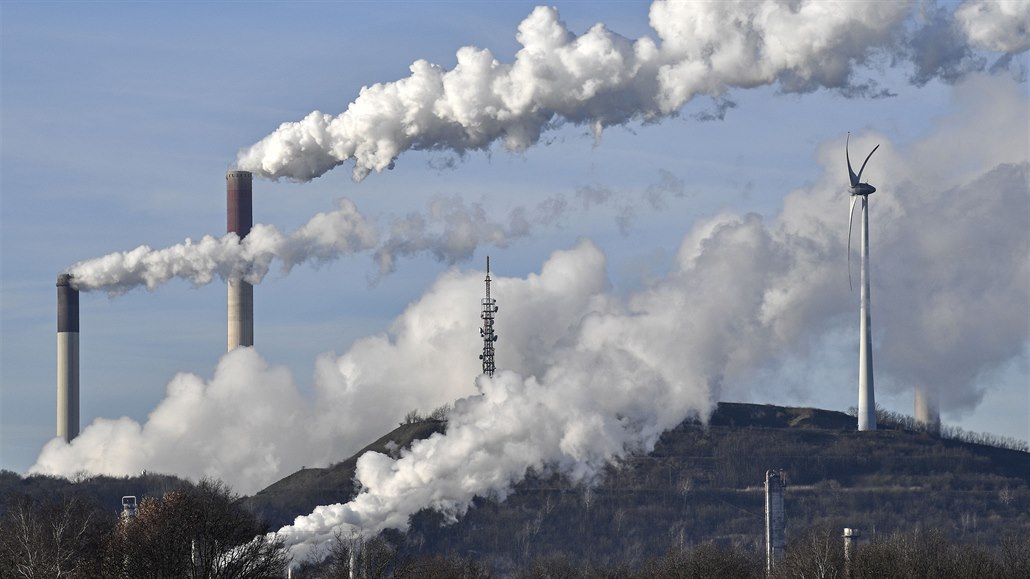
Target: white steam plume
(602, 79)
(461, 227)
(450, 230)
(326, 236)
(249, 425)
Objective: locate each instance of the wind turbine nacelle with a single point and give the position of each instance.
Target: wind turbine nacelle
(863, 189)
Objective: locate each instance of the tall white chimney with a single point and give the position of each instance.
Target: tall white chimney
(67, 358)
(240, 218)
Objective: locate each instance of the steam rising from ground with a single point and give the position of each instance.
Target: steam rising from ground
(601, 79)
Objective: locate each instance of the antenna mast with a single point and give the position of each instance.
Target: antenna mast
(489, 308)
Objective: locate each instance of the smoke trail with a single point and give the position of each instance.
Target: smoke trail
(449, 229)
(601, 79)
(465, 227)
(326, 236)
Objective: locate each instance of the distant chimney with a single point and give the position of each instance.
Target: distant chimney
(240, 218)
(67, 358)
(775, 519)
(850, 544)
(927, 409)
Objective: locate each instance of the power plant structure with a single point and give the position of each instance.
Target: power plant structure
(239, 220)
(489, 308)
(850, 544)
(128, 506)
(927, 409)
(866, 395)
(67, 358)
(775, 519)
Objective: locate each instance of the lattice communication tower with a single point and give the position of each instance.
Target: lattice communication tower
(487, 331)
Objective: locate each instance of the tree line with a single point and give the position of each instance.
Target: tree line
(819, 554)
(195, 531)
(201, 531)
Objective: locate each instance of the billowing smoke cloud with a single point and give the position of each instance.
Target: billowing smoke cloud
(602, 79)
(326, 236)
(231, 428)
(210, 428)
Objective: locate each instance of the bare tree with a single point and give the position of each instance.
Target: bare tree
(57, 538)
(440, 567)
(816, 555)
(1015, 557)
(199, 532)
(353, 556)
(708, 560)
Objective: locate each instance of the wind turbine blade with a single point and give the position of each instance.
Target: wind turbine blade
(851, 219)
(866, 161)
(851, 172)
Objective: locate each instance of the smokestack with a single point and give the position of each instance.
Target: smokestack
(239, 219)
(67, 358)
(927, 411)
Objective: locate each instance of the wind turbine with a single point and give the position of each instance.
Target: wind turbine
(866, 396)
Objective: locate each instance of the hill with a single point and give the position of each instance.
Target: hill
(299, 493)
(703, 483)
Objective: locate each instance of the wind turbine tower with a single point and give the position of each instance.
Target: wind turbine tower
(866, 395)
(487, 331)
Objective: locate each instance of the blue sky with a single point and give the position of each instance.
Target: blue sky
(119, 121)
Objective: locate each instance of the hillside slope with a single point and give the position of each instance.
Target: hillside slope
(299, 493)
(703, 483)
